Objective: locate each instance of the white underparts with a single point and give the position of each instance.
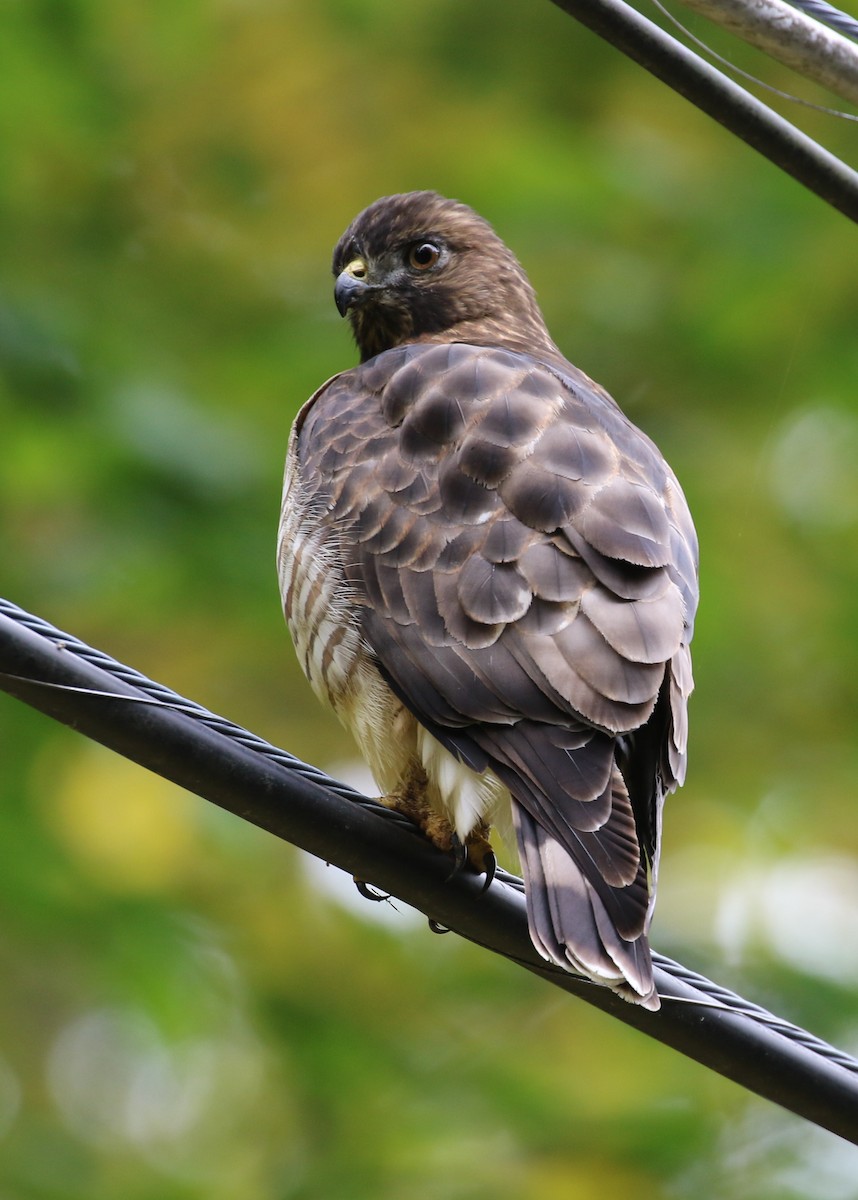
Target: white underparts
(466, 797)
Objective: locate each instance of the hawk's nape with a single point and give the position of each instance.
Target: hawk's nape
(491, 575)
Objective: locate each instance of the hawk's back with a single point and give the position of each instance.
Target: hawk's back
(479, 545)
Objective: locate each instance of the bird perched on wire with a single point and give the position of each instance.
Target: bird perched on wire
(490, 574)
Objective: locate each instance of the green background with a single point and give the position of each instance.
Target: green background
(189, 1008)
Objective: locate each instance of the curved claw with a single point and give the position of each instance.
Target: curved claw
(460, 856)
(369, 892)
(463, 856)
(490, 866)
(437, 927)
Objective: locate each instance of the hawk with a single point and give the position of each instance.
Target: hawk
(490, 574)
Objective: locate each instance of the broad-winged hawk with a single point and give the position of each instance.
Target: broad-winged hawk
(490, 574)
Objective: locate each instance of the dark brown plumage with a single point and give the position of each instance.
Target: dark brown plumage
(491, 575)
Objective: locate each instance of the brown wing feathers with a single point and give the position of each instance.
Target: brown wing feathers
(521, 586)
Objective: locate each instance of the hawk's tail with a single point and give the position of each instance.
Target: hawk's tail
(569, 922)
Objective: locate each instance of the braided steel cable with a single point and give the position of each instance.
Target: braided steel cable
(826, 14)
(798, 49)
(722, 99)
(153, 725)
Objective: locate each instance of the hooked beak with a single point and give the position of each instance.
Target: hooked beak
(351, 286)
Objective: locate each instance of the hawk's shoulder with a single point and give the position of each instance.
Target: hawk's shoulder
(501, 429)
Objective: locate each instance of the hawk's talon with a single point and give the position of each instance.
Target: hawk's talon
(369, 892)
(476, 854)
(437, 927)
(490, 866)
(459, 851)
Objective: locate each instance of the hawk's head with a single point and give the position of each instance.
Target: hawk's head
(418, 267)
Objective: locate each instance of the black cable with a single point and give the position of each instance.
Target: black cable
(725, 101)
(117, 706)
(826, 15)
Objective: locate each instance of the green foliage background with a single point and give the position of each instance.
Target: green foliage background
(189, 1008)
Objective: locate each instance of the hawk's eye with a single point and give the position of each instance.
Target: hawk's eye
(423, 255)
